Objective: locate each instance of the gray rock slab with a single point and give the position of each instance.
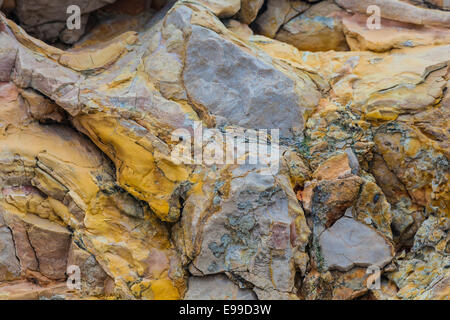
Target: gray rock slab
(349, 243)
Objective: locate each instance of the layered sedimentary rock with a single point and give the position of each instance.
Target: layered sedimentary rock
(122, 158)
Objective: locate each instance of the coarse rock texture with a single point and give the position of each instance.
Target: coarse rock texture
(239, 149)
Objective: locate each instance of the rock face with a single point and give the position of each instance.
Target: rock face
(239, 149)
(401, 11)
(349, 243)
(47, 19)
(255, 231)
(276, 90)
(317, 29)
(217, 287)
(9, 264)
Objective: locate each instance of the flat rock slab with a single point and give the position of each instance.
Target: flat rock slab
(349, 243)
(217, 287)
(9, 265)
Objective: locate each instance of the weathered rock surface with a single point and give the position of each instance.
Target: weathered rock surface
(249, 10)
(94, 280)
(317, 29)
(401, 11)
(423, 273)
(115, 152)
(47, 19)
(217, 287)
(261, 97)
(256, 228)
(9, 264)
(392, 35)
(222, 8)
(349, 243)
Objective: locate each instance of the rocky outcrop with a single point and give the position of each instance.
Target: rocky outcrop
(224, 150)
(401, 11)
(393, 35)
(217, 287)
(319, 28)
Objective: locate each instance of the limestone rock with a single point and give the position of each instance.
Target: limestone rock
(73, 193)
(351, 285)
(418, 183)
(7, 60)
(335, 167)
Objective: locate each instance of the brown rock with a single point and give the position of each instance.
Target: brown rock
(317, 29)
(240, 29)
(249, 10)
(442, 4)
(47, 19)
(350, 285)
(8, 6)
(7, 60)
(327, 200)
(87, 151)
